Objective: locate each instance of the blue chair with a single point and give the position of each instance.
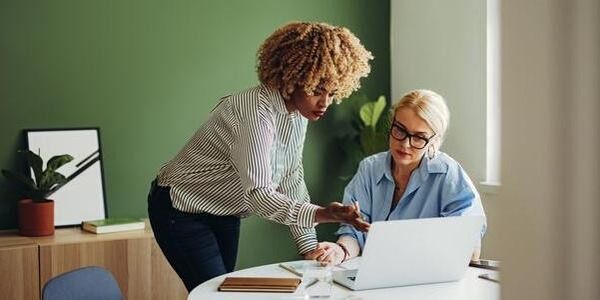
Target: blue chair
(88, 283)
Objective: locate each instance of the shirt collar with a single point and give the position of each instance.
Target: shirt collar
(386, 166)
(279, 102)
(435, 164)
(426, 166)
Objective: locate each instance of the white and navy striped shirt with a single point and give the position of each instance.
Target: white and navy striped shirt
(246, 158)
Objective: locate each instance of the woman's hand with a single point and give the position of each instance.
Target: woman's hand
(338, 213)
(313, 254)
(327, 252)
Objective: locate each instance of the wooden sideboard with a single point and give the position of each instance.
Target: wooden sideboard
(133, 257)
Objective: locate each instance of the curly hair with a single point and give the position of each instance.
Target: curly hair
(313, 56)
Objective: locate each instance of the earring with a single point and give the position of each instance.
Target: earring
(289, 91)
(431, 153)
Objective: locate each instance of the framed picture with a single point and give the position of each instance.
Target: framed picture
(82, 197)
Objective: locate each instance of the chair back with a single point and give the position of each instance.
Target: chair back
(88, 283)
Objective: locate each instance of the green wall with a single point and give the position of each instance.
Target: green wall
(148, 72)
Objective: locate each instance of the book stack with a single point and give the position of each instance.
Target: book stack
(113, 225)
(259, 284)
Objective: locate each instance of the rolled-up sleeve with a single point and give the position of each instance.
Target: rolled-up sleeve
(250, 155)
(305, 238)
(293, 184)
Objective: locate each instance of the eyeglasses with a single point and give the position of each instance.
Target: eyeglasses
(416, 141)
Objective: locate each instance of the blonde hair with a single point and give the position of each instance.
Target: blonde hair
(431, 107)
(313, 55)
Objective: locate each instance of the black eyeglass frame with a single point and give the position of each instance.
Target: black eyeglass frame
(410, 136)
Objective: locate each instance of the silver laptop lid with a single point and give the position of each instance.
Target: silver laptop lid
(418, 251)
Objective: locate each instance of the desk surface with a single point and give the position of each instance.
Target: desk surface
(470, 287)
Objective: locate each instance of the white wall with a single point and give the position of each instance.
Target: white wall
(441, 45)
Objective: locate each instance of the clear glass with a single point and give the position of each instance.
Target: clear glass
(317, 281)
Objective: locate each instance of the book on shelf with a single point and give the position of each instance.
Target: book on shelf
(113, 225)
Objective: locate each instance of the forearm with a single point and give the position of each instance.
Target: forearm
(322, 216)
(335, 213)
(277, 207)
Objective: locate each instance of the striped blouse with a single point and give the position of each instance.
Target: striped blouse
(246, 158)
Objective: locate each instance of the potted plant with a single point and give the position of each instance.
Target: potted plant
(36, 211)
(374, 130)
(368, 132)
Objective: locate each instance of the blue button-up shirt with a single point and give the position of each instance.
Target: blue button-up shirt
(438, 187)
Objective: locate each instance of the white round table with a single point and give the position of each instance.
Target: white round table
(470, 287)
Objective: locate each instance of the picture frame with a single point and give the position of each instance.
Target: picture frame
(83, 196)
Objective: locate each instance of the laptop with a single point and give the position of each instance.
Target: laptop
(416, 251)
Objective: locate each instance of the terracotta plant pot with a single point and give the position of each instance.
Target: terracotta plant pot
(36, 218)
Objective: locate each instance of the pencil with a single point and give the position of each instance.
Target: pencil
(357, 207)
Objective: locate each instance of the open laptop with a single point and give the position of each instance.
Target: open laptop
(416, 251)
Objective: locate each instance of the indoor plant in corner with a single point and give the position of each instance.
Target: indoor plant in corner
(36, 212)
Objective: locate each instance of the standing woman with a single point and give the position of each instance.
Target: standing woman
(247, 157)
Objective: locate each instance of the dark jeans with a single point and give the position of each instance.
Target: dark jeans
(198, 246)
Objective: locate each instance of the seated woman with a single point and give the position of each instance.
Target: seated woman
(413, 179)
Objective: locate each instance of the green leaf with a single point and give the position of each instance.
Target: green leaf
(371, 111)
(35, 163)
(385, 123)
(58, 161)
(378, 109)
(25, 182)
(381, 142)
(50, 178)
(366, 113)
(367, 141)
(45, 180)
(373, 142)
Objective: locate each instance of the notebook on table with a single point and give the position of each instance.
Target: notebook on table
(259, 284)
